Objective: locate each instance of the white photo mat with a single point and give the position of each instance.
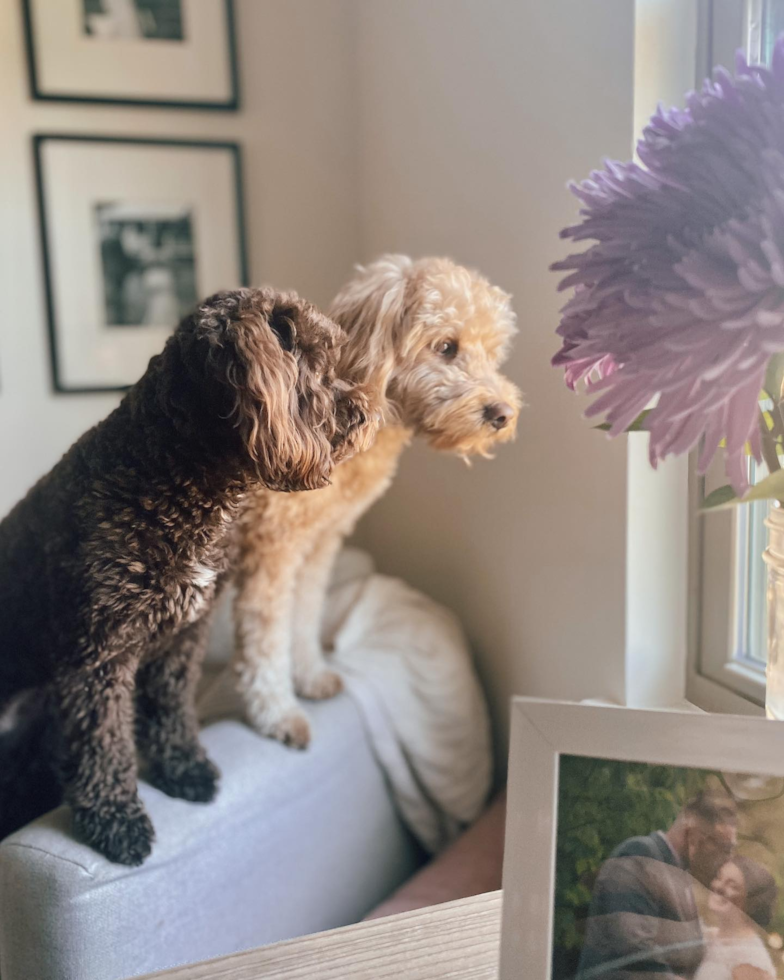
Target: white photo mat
(67, 63)
(79, 175)
(543, 731)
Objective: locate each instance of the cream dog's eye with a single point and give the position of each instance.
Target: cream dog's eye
(447, 348)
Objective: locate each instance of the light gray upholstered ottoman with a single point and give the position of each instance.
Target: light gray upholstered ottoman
(296, 842)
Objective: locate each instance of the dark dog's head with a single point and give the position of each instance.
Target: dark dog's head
(256, 372)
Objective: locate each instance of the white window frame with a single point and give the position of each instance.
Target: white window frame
(719, 678)
(720, 675)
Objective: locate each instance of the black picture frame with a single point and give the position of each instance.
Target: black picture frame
(38, 140)
(232, 104)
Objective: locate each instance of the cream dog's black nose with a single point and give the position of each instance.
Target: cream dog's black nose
(498, 414)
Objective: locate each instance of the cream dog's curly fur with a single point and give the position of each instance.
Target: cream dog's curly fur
(429, 336)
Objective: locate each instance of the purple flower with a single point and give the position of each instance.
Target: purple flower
(681, 293)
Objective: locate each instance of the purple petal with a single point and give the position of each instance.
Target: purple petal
(679, 294)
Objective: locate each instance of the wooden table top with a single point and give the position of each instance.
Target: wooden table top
(458, 940)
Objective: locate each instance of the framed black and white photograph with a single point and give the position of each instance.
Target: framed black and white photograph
(169, 53)
(643, 843)
(148, 263)
(134, 233)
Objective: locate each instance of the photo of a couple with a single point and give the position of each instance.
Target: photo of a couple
(694, 897)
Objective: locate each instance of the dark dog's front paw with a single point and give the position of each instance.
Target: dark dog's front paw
(191, 779)
(122, 832)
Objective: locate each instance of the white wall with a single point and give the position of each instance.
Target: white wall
(666, 39)
(473, 117)
(446, 126)
(297, 131)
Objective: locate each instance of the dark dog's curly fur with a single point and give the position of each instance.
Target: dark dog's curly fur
(110, 564)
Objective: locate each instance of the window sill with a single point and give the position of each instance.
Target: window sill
(723, 694)
(707, 696)
(680, 705)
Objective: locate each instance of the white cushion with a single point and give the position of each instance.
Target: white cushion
(296, 842)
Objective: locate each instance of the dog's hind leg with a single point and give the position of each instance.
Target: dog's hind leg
(263, 612)
(93, 709)
(166, 723)
(312, 677)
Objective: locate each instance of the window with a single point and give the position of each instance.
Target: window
(751, 640)
(729, 631)
(765, 21)
(729, 621)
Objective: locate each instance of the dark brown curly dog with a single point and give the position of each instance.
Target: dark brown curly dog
(110, 564)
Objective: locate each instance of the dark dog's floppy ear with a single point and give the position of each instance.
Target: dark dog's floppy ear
(283, 327)
(247, 343)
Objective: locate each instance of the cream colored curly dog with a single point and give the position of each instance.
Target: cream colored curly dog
(430, 336)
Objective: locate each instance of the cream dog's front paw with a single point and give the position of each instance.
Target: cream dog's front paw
(288, 725)
(319, 684)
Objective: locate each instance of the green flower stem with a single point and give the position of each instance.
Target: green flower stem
(769, 453)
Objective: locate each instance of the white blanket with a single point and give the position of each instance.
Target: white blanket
(406, 663)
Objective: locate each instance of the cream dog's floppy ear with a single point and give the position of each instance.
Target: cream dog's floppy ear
(371, 308)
